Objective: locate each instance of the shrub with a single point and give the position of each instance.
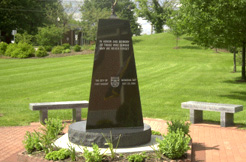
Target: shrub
(88, 47)
(174, 144)
(137, 157)
(92, 156)
(48, 48)
(3, 47)
(32, 142)
(66, 51)
(10, 49)
(21, 50)
(23, 38)
(58, 155)
(76, 48)
(66, 46)
(49, 35)
(174, 125)
(41, 52)
(57, 50)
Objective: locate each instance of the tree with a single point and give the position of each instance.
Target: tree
(176, 26)
(216, 23)
(49, 35)
(155, 11)
(28, 15)
(93, 10)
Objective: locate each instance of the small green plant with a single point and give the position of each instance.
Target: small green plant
(53, 127)
(57, 50)
(109, 142)
(76, 48)
(66, 51)
(58, 155)
(51, 130)
(93, 156)
(32, 142)
(174, 144)
(155, 133)
(72, 152)
(48, 48)
(41, 52)
(3, 47)
(66, 46)
(174, 125)
(137, 157)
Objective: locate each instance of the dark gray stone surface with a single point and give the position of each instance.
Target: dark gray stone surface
(196, 116)
(129, 137)
(114, 96)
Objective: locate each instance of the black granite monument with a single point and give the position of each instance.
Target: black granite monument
(114, 106)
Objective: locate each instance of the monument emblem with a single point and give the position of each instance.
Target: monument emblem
(115, 81)
(114, 104)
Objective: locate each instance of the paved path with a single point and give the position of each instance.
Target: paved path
(211, 143)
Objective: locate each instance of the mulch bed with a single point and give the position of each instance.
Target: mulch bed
(72, 53)
(122, 157)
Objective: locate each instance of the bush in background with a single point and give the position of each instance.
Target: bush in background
(66, 46)
(57, 50)
(49, 35)
(41, 52)
(66, 51)
(3, 47)
(23, 38)
(76, 48)
(10, 49)
(21, 50)
(88, 47)
(48, 48)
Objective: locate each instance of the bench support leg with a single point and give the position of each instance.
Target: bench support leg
(43, 114)
(77, 114)
(196, 116)
(226, 119)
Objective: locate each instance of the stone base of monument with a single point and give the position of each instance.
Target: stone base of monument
(125, 137)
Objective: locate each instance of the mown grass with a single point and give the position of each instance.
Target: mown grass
(167, 77)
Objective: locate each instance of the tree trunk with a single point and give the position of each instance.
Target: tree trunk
(234, 61)
(243, 62)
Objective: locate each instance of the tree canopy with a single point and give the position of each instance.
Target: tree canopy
(157, 12)
(93, 10)
(216, 23)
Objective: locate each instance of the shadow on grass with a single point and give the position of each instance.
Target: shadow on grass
(190, 47)
(188, 38)
(239, 95)
(238, 80)
(134, 41)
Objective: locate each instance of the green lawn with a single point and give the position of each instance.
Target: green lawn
(167, 77)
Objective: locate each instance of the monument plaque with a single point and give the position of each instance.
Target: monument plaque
(114, 108)
(114, 98)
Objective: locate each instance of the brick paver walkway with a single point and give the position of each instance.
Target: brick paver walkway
(211, 143)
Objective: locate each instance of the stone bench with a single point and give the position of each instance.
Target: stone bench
(45, 106)
(226, 111)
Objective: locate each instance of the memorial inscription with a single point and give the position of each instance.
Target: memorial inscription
(114, 98)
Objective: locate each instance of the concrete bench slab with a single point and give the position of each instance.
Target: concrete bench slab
(226, 111)
(45, 106)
